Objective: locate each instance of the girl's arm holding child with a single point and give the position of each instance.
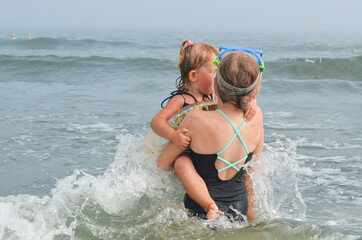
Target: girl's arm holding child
(160, 126)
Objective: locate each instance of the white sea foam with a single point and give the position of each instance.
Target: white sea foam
(280, 114)
(132, 186)
(329, 144)
(103, 127)
(276, 181)
(131, 177)
(75, 39)
(23, 139)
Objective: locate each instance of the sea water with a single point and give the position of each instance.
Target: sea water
(76, 105)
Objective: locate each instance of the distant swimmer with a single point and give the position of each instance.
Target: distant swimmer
(29, 36)
(13, 37)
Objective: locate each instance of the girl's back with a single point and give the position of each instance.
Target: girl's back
(211, 132)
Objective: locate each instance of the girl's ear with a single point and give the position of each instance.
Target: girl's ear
(193, 76)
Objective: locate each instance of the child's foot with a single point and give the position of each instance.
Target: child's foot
(212, 212)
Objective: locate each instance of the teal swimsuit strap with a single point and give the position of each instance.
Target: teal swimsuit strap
(236, 133)
(232, 139)
(230, 164)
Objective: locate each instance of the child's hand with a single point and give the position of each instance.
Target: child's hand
(251, 111)
(180, 139)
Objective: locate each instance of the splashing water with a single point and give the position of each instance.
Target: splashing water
(276, 182)
(135, 200)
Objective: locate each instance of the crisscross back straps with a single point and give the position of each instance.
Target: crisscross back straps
(229, 165)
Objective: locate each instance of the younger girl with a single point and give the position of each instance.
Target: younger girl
(194, 85)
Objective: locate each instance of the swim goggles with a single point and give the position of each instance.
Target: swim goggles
(254, 52)
(226, 87)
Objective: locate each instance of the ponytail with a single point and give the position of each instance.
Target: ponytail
(182, 53)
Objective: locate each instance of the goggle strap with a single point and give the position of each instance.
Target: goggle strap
(255, 52)
(260, 52)
(213, 82)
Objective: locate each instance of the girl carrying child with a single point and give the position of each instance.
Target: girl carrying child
(194, 85)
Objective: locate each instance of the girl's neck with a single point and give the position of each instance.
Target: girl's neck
(229, 109)
(194, 92)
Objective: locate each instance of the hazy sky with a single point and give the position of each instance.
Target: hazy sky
(258, 15)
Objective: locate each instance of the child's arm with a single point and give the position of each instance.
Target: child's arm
(251, 111)
(160, 126)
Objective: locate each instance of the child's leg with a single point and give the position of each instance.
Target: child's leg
(194, 185)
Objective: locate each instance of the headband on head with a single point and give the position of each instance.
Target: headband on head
(235, 91)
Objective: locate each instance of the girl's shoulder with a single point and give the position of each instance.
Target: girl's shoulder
(259, 114)
(197, 118)
(176, 102)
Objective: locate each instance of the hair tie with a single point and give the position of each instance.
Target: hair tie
(190, 43)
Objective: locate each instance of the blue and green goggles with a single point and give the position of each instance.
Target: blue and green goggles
(257, 53)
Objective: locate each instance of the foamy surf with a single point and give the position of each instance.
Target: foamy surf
(133, 199)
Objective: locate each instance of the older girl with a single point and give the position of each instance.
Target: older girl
(222, 142)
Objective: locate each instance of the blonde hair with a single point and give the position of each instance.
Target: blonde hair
(192, 56)
(240, 70)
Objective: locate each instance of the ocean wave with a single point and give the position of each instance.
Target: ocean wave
(290, 68)
(317, 68)
(23, 64)
(323, 47)
(65, 42)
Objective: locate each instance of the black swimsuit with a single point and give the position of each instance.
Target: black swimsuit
(180, 92)
(227, 194)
